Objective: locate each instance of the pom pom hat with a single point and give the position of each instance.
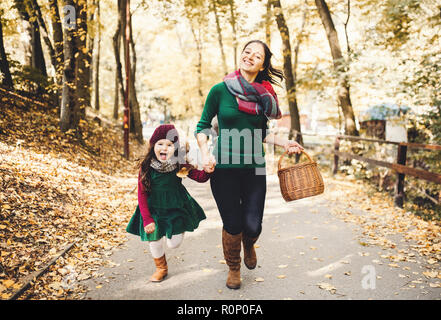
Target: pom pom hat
(165, 131)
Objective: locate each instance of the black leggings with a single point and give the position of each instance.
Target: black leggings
(240, 198)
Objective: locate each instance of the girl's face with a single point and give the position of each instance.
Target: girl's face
(164, 150)
(252, 58)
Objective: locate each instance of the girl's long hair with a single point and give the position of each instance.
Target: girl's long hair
(269, 73)
(144, 168)
(144, 164)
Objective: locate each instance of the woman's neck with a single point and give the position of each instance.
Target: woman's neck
(250, 77)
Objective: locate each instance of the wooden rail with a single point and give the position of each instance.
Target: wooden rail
(399, 166)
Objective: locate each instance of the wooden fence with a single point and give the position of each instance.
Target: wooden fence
(399, 166)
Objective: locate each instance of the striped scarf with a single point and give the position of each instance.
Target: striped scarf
(254, 98)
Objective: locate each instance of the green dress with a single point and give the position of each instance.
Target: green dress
(171, 207)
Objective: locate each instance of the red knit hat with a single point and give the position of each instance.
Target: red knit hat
(165, 131)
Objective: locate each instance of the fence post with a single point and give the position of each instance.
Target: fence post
(399, 187)
(336, 149)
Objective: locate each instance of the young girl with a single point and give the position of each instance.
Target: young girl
(165, 208)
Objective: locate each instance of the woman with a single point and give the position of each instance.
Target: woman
(243, 103)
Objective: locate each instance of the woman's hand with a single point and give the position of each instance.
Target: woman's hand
(208, 163)
(150, 228)
(293, 147)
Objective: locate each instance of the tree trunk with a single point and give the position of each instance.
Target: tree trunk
(234, 33)
(344, 99)
(82, 70)
(198, 42)
(36, 12)
(36, 51)
(4, 64)
(119, 86)
(287, 69)
(135, 114)
(68, 120)
(38, 61)
(219, 37)
(97, 59)
(58, 45)
(268, 24)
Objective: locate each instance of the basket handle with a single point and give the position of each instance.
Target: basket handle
(281, 157)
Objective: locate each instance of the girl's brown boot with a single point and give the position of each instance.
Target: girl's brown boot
(161, 269)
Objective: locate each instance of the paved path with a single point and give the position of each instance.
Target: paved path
(305, 252)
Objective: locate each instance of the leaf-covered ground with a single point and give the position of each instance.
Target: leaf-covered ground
(380, 221)
(54, 191)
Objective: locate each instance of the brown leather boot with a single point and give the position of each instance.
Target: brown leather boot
(249, 253)
(231, 246)
(161, 269)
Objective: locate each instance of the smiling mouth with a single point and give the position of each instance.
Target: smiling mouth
(163, 155)
(247, 63)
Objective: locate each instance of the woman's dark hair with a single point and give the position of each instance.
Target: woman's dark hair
(269, 73)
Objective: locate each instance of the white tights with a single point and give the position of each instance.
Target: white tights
(157, 247)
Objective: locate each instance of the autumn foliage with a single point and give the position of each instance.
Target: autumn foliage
(56, 189)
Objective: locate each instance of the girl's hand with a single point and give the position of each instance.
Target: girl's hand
(150, 228)
(293, 147)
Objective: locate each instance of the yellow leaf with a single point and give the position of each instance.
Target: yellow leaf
(8, 283)
(259, 279)
(430, 274)
(300, 237)
(6, 296)
(282, 276)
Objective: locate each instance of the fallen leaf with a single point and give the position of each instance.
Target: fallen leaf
(8, 283)
(430, 274)
(259, 279)
(327, 286)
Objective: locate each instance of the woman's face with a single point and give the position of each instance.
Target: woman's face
(164, 149)
(252, 58)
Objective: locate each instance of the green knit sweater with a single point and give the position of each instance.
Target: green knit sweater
(239, 144)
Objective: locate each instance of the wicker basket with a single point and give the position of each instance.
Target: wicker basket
(301, 180)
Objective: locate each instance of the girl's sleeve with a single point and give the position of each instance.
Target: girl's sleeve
(199, 175)
(142, 203)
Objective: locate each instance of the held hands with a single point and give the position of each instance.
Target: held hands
(150, 228)
(293, 147)
(208, 163)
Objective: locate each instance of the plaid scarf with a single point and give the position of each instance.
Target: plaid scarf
(254, 98)
(167, 166)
